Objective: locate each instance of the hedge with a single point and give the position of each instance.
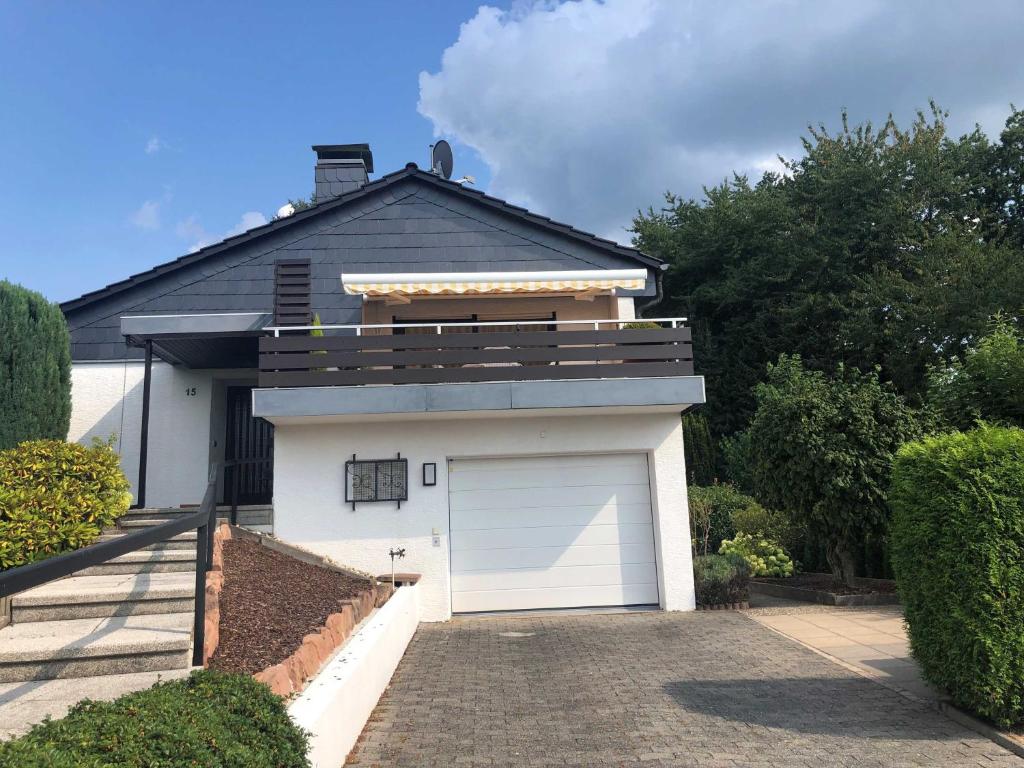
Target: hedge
(711, 514)
(957, 541)
(56, 497)
(210, 719)
(35, 367)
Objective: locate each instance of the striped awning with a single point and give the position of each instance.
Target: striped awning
(467, 283)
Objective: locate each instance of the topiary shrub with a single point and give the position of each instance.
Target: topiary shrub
(35, 367)
(720, 579)
(957, 546)
(765, 558)
(210, 719)
(711, 511)
(56, 497)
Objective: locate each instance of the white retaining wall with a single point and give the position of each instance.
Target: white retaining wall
(340, 699)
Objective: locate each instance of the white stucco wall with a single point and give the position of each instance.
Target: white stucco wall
(310, 511)
(106, 399)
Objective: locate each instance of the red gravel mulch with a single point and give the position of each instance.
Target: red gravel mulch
(270, 601)
(822, 582)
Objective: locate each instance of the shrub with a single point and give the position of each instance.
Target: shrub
(764, 557)
(699, 448)
(35, 368)
(759, 522)
(210, 719)
(711, 510)
(957, 545)
(720, 579)
(57, 496)
(822, 449)
(987, 384)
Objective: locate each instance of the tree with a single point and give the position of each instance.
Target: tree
(35, 368)
(881, 246)
(699, 449)
(987, 384)
(822, 449)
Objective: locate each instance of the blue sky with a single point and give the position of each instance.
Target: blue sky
(131, 132)
(227, 98)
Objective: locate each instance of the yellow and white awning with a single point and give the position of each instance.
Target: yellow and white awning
(469, 283)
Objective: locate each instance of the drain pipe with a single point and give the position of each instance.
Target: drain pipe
(659, 292)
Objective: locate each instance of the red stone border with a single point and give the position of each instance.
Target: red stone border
(290, 675)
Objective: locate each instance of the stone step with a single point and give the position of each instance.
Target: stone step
(47, 650)
(141, 561)
(23, 704)
(163, 513)
(181, 541)
(80, 597)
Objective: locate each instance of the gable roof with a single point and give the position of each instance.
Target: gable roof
(412, 171)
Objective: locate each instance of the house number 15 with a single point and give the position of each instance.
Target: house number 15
(190, 391)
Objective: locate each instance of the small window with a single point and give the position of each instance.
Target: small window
(371, 480)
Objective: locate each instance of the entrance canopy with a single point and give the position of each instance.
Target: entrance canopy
(223, 340)
(477, 283)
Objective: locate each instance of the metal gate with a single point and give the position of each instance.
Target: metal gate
(248, 451)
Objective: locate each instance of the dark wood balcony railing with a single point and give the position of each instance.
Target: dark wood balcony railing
(467, 352)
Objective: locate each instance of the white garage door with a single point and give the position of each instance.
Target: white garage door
(551, 532)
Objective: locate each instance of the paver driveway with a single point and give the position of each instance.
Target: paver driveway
(701, 689)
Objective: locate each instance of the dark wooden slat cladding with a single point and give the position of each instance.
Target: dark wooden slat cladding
(458, 375)
(292, 289)
(304, 361)
(371, 358)
(474, 340)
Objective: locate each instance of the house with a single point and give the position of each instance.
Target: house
(475, 393)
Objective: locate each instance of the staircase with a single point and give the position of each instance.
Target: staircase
(103, 631)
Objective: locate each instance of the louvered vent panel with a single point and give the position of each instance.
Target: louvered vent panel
(291, 292)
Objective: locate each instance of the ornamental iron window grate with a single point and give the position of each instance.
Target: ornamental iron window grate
(373, 480)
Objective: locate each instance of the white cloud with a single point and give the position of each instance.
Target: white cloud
(587, 111)
(148, 215)
(154, 145)
(192, 230)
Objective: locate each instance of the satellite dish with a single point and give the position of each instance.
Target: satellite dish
(441, 160)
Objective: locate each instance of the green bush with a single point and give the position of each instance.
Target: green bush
(988, 383)
(957, 545)
(210, 720)
(699, 447)
(56, 497)
(720, 579)
(35, 368)
(711, 510)
(764, 557)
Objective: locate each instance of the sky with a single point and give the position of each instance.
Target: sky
(134, 132)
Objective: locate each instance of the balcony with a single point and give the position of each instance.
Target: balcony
(473, 352)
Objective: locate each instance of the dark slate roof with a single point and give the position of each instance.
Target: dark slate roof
(407, 221)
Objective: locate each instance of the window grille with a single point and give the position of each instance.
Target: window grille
(373, 480)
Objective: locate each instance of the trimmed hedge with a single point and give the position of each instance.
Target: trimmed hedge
(720, 579)
(56, 497)
(35, 367)
(210, 720)
(957, 539)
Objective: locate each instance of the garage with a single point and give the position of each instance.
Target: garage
(551, 532)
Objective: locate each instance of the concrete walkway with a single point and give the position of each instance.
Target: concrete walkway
(708, 689)
(871, 640)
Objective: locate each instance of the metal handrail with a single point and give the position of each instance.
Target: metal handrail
(673, 322)
(203, 520)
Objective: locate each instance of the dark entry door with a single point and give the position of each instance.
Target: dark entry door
(250, 442)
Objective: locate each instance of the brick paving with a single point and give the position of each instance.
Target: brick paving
(652, 689)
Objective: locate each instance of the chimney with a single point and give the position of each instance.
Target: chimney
(340, 168)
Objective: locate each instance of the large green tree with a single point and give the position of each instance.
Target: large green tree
(35, 367)
(878, 246)
(822, 449)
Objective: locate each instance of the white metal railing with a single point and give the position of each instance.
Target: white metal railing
(671, 322)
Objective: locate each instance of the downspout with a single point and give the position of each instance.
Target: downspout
(659, 293)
